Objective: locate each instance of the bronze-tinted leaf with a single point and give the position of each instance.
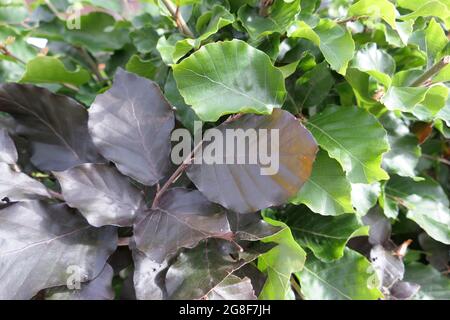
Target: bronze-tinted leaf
(101, 193)
(182, 218)
(55, 125)
(242, 187)
(130, 125)
(44, 245)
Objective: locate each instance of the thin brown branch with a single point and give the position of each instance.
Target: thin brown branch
(56, 195)
(91, 63)
(182, 25)
(123, 242)
(430, 73)
(186, 162)
(351, 19)
(297, 288)
(441, 160)
(264, 7)
(4, 50)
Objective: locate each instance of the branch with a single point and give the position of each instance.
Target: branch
(182, 26)
(264, 7)
(350, 19)
(6, 52)
(427, 75)
(441, 160)
(91, 63)
(186, 162)
(55, 195)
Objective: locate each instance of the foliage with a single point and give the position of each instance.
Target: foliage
(91, 91)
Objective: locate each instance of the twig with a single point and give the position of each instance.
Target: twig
(442, 160)
(264, 7)
(6, 52)
(186, 162)
(351, 19)
(427, 75)
(182, 26)
(92, 64)
(55, 195)
(296, 287)
(54, 10)
(123, 242)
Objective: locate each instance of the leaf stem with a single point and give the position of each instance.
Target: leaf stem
(427, 75)
(182, 25)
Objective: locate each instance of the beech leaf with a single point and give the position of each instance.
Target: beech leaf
(131, 124)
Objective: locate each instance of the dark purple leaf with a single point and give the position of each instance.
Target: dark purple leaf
(232, 288)
(47, 245)
(183, 218)
(389, 268)
(8, 152)
(130, 125)
(198, 271)
(55, 125)
(241, 187)
(17, 186)
(250, 227)
(99, 288)
(148, 277)
(438, 254)
(101, 193)
(403, 290)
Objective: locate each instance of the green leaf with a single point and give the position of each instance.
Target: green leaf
(280, 262)
(355, 139)
(12, 13)
(280, 16)
(289, 69)
(335, 41)
(364, 196)
(212, 21)
(376, 62)
(320, 195)
(174, 48)
(45, 69)
(346, 279)
(434, 8)
(143, 68)
(403, 98)
(383, 9)
(145, 39)
(405, 152)
(216, 80)
(99, 32)
(423, 102)
(435, 39)
(325, 236)
(183, 112)
(426, 203)
(433, 285)
(314, 86)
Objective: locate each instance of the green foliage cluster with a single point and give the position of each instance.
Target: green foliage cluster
(369, 79)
